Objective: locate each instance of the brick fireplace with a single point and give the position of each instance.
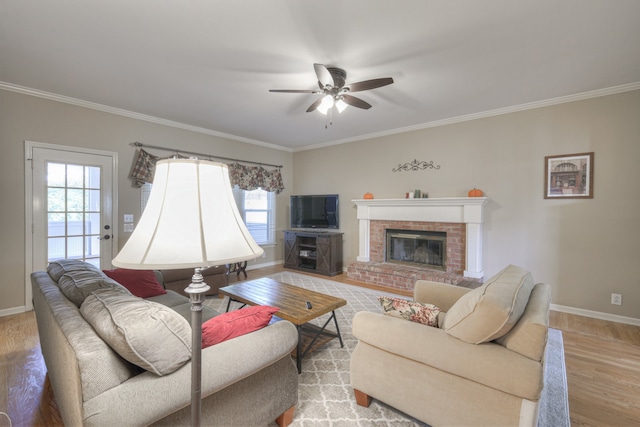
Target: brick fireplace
(460, 218)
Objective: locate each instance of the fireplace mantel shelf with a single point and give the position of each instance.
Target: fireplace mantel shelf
(441, 201)
(467, 210)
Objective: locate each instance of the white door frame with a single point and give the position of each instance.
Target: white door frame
(28, 200)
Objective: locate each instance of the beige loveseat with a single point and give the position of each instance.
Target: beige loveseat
(482, 366)
(246, 381)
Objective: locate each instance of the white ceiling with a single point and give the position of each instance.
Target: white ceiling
(208, 65)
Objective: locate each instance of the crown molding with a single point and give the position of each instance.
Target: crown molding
(131, 114)
(484, 114)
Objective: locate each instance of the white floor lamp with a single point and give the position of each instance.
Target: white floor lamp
(190, 221)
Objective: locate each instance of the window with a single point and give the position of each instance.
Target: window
(258, 209)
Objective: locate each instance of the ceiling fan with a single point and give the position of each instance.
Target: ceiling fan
(331, 81)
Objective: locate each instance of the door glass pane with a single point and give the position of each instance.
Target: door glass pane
(92, 202)
(75, 247)
(92, 177)
(75, 200)
(56, 248)
(75, 176)
(91, 247)
(73, 212)
(56, 175)
(55, 200)
(56, 225)
(92, 225)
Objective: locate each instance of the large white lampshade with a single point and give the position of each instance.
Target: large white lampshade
(191, 220)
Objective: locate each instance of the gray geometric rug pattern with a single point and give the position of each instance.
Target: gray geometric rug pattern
(325, 396)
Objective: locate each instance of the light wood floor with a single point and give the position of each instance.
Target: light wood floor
(602, 358)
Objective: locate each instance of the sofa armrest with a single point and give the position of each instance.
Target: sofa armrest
(147, 397)
(490, 364)
(442, 295)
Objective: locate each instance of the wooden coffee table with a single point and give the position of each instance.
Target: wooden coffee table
(292, 302)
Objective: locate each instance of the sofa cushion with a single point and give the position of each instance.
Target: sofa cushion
(236, 323)
(78, 285)
(56, 269)
(426, 314)
(145, 333)
(490, 311)
(141, 283)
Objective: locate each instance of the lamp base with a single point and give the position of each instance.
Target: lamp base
(196, 291)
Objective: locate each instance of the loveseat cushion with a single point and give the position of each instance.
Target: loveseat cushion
(426, 314)
(77, 285)
(145, 333)
(490, 311)
(56, 269)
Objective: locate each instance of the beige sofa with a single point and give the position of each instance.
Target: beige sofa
(482, 366)
(249, 380)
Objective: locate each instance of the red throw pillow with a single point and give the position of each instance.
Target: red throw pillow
(141, 283)
(235, 323)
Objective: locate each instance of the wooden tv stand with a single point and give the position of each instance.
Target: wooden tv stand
(318, 252)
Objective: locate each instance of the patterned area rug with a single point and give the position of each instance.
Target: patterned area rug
(325, 394)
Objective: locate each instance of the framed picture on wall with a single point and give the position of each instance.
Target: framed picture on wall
(568, 176)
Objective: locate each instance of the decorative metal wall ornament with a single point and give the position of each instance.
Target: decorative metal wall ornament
(416, 165)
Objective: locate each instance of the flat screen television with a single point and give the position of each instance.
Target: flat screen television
(314, 211)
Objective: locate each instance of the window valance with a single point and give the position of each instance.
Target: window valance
(245, 177)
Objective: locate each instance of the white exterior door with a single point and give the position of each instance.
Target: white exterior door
(71, 205)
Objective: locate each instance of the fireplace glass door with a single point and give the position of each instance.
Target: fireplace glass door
(426, 249)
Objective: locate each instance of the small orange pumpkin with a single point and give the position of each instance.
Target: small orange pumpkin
(475, 193)
(367, 196)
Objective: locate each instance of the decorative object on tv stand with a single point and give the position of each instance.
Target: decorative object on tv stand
(415, 165)
(475, 193)
(191, 221)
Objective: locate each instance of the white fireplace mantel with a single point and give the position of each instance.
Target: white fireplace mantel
(467, 210)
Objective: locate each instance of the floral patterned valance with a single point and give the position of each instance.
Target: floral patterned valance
(245, 177)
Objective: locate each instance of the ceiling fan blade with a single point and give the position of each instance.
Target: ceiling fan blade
(292, 91)
(369, 84)
(355, 102)
(324, 76)
(315, 105)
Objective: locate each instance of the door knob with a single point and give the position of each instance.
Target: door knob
(105, 237)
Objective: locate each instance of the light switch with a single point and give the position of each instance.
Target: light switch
(128, 227)
(128, 218)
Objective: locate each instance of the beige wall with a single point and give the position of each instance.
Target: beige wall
(586, 249)
(26, 118)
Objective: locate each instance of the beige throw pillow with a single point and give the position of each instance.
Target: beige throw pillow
(145, 333)
(490, 311)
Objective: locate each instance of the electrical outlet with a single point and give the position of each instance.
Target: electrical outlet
(128, 218)
(616, 299)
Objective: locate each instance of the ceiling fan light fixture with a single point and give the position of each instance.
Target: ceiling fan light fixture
(326, 104)
(341, 105)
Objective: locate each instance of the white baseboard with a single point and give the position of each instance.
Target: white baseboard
(596, 314)
(13, 310)
(266, 264)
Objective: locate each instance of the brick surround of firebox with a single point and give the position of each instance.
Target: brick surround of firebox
(401, 276)
(456, 240)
